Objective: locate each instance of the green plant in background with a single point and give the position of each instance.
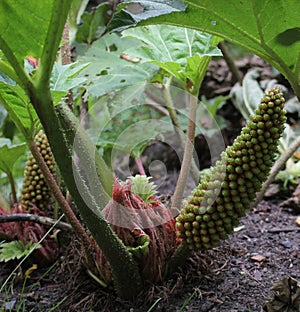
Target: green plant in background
(35, 96)
(9, 154)
(263, 33)
(15, 250)
(271, 29)
(185, 60)
(245, 98)
(291, 172)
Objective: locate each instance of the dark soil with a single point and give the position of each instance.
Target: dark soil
(237, 276)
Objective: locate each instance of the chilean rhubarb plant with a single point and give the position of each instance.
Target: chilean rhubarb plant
(133, 238)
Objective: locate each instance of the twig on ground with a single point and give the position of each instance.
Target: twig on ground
(22, 217)
(284, 230)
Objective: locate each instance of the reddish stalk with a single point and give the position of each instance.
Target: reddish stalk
(187, 157)
(140, 166)
(76, 225)
(12, 185)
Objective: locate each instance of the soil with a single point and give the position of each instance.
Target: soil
(236, 276)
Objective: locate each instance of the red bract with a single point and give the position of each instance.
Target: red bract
(146, 228)
(31, 232)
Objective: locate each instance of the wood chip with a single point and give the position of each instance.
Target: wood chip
(258, 258)
(297, 155)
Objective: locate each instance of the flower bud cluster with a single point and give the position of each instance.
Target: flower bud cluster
(216, 205)
(35, 190)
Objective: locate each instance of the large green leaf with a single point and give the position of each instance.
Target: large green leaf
(256, 25)
(64, 77)
(107, 71)
(93, 24)
(177, 50)
(269, 29)
(7, 73)
(9, 154)
(17, 104)
(3, 114)
(246, 97)
(150, 9)
(164, 43)
(23, 26)
(76, 10)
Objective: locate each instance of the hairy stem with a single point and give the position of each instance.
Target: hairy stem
(127, 282)
(13, 187)
(189, 146)
(78, 228)
(74, 133)
(140, 166)
(173, 115)
(187, 157)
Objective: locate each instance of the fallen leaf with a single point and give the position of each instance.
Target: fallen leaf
(298, 221)
(294, 201)
(286, 296)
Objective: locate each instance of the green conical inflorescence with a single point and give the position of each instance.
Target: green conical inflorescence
(216, 205)
(35, 190)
